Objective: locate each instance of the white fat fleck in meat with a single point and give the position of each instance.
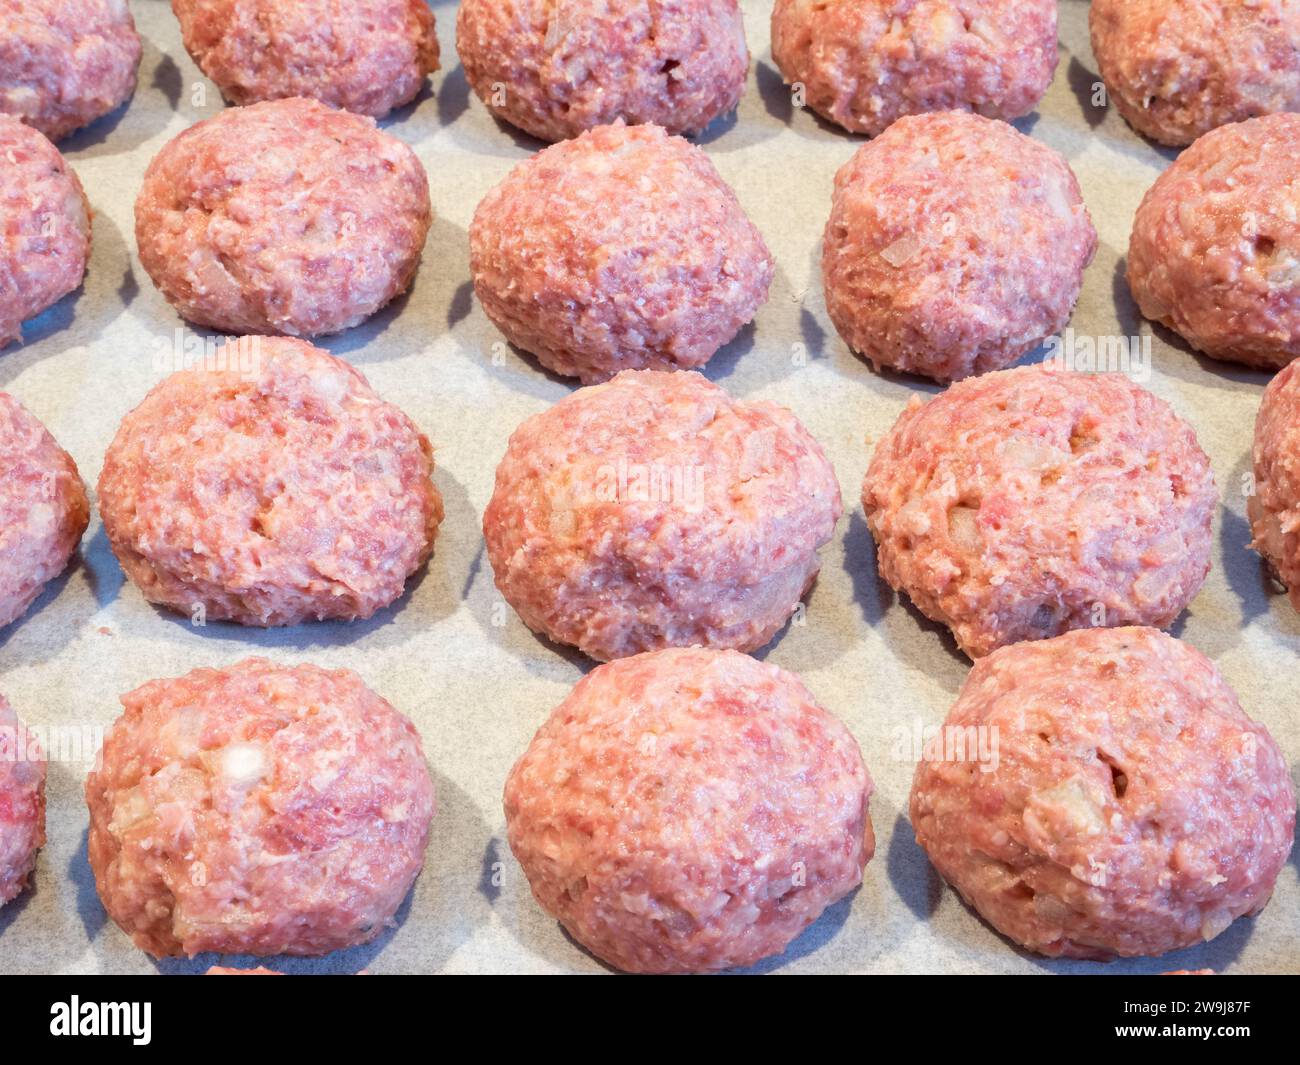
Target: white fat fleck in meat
(244, 765)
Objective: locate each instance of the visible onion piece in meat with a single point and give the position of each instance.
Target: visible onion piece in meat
(964, 529)
(1030, 453)
(902, 250)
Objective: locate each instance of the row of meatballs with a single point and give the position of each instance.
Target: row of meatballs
(269, 484)
(687, 807)
(1097, 794)
(555, 68)
(955, 245)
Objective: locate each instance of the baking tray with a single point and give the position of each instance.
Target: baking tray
(477, 689)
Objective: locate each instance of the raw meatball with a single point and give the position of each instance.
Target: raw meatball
(1215, 251)
(66, 63)
(656, 511)
(1178, 68)
(1130, 807)
(689, 810)
(269, 488)
(1027, 502)
(1274, 506)
(44, 227)
(22, 803)
(955, 246)
(557, 67)
(283, 217)
(258, 809)
(43, 508)
(620, 250)
(865, 63)
(366, 56)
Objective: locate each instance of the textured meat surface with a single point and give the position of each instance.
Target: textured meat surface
(557, 67)
(656, 511)
(1134, 808)
(1215, 250)
(276, 490)
(863, 64)
(620, 250)
(44, 227)
(43, 508)
(282, 217)
(1274, 506)
(22, 803)
(257, 809)
(1178, 68)
(65, 63)
(689, 810)
(365, 56)
(955, 245)
(1027, 502)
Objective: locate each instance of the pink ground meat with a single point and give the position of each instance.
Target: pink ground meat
(44, 227)
(1027, 502)
(1215, 250)
(656, 511)
(557, 67)
(43, 509)
(955, 246)
(257, 809)
(22, 803)
(863, 64)
(1176, 69)
(274, 488)
(1274, 506)
(689, 810)
(365, 56)
(620, 250)
(283, 217)
(1133, 807)
(66, 63)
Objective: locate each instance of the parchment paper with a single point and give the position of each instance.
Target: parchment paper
(477, 690)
